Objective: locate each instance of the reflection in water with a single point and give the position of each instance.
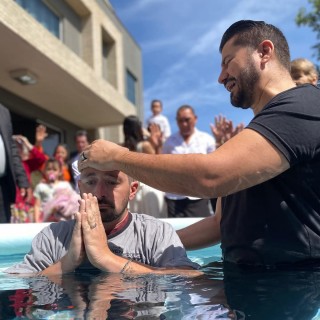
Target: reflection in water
(113, 296)
(264, 295)
(239, 294)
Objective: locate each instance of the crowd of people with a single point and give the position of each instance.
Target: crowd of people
(44, 186)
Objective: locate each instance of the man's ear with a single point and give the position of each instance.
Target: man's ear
(134, 187)
(266, 51)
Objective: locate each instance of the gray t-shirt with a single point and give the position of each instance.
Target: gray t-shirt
(144, 239)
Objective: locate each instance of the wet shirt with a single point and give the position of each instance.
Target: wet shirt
(143, 239)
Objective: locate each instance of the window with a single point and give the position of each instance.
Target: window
(42, 13)
(105, 52)
(109, 62)
(131, 87)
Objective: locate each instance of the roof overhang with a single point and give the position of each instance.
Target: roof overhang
(66, 86)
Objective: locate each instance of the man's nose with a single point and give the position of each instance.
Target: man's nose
(101, 190)
(223, 76)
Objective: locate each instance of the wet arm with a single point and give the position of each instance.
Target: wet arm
(204, 233)
(245, 160)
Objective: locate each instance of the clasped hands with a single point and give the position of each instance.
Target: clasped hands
(88, 238)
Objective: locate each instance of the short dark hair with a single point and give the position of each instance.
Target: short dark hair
(184, 107)
(251, 33)
(81, 133)
(154, 101)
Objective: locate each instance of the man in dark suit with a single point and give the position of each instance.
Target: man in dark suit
(12, 173)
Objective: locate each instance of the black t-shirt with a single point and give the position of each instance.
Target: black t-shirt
(278, 221)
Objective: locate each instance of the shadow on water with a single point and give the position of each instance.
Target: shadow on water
(221, 293)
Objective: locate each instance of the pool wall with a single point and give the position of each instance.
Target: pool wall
(16, 238)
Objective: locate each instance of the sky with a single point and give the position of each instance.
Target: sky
(179, 41)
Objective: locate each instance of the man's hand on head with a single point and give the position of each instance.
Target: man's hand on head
(102, 155)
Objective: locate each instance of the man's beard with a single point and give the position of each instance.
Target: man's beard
(111, 213)
(246, 83)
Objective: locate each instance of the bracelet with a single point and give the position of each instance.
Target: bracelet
(125, 266)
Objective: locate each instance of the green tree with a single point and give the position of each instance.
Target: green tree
(312, 20)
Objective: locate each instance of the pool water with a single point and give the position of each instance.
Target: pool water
(108, 296)
(222, 292)
(218, 294)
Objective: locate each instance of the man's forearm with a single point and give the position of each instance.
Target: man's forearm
(166, 172)
(122, 265)
(160, 172)
(204, 233)
(245, 160)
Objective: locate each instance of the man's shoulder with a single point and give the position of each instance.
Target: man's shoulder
(295, 95)
(149, 221)
(59, 228)
(299, 100)
(204, 136)
(141, 217)
(202, 133)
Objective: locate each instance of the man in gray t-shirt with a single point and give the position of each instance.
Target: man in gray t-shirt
(105, 235)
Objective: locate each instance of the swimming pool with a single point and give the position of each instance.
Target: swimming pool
(232, 294)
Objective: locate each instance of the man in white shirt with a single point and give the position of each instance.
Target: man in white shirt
(187, 140)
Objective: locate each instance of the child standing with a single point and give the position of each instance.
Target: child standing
(47, 206)
(159, 119)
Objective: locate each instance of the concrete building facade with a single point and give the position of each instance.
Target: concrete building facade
(68, 64)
